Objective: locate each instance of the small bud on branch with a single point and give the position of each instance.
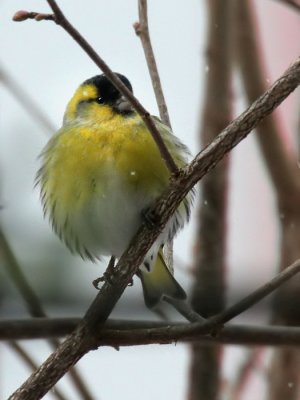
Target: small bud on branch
(23, 15)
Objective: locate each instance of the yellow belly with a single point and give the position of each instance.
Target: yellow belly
(96, 180)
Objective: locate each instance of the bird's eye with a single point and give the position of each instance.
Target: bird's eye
(100, 100)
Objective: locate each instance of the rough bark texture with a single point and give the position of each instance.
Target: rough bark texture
(209, 267)
(284, 174)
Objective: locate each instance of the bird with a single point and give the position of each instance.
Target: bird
(101, 172)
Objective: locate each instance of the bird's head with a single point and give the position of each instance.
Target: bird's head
(97, 99)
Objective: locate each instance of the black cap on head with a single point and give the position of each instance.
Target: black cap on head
(106, 89)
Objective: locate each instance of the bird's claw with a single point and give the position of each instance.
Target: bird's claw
(108, 277)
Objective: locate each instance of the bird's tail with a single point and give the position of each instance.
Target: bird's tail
(158, 282)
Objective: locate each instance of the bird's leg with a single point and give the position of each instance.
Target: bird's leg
(111, 266)
(108, 275)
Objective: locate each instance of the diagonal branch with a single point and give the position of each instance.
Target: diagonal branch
(62, 21)
(292, 3)
(83, 338)
(32, 365)
(283, 169)
(142, 30)
(26, 101)
(34, 306)
(126, 333)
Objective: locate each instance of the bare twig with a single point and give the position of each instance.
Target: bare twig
(23, 354)
(33, 304)
(142, 30)
(292, 3)
(32, 365)
(257, 295)
(282, 168)
(14, 270)
(116, 81)
(245, 373)
(184, 309)
(118, 333)
(25, 100)
(61, 20)
(208, 294)
(83, 338)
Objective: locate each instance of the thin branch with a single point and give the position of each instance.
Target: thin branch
(245, 373)
(142, 31)
(23, 354)
(282, 168)
(61, 20)
(32, 365)
(256, 296)
(208, 287)
(284, 171)
(82, 339)
(33, 304)
(210, 242)
(14, 270)
(117, 333)
(85, 338)
(25, 100)
(292, 3)
(184, 309)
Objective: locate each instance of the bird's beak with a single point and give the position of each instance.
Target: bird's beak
(123, 106)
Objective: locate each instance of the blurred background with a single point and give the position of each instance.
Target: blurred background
(41, 66)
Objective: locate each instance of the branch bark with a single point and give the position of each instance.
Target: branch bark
(26, 101)
(62, 21)
(291, 3)
(142, 31)
(284, 172)
(209, 266)
(34, 308)
(83, 338)
(235, 334)
(118, 333)
(32, 365)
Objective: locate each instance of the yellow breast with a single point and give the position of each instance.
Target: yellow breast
(81, 158)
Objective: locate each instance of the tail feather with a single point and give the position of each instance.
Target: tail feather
(158, 282)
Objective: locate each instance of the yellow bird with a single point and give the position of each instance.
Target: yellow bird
(101, 172)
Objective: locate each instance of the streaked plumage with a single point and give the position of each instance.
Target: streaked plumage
(100, 172)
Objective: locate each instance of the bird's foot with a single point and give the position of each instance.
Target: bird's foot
(99, 280)
(108, 275)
